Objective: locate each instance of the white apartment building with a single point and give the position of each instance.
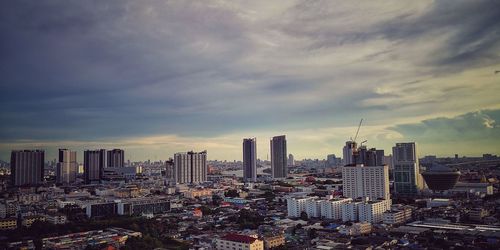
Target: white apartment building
(295, 205)
(373, 211)
(366, 181)
(365, 211)
(349, 211)
(313, 208)
(332, 209)
(356, 229)
(238, 241)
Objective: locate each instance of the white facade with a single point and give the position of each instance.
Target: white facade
(313, 208)
(372, 211)
(332, 209)
(407, 177)
(239, 242)
(66, 167)
(349, 211)
(190, 167)
(366, 181)
(295, 206)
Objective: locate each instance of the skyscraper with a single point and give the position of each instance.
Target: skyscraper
(94, 162)
(27, 167)
(66, 167)
(250, 160)
(291, 160)
(349, 151)
(407, 178)
(366, 181)
(278, 157)
(116, 158)
(190, 167)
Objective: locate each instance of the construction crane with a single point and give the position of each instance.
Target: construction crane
(357, 131)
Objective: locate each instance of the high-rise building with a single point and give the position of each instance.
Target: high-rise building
(278, 157)
(333, 161)
(380, 157)
(190, 167)
(407, 178)
(94, 162)
(27, 167)
(67, 167)
(291, 160)
(116, 158)
(250, 160)
(366, 181)
(349, 152)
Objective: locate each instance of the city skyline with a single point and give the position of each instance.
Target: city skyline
(156, 78)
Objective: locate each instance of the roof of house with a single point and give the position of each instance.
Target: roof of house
(239, 238)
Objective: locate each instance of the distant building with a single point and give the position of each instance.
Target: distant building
(27, 167)
(190, 167)
(349, 151)
(295, 206)
(279, 157)
(250, 160)
(67, 167)
(407, 177)
(397, 217)
(94, 162)
(366, 181)
(291, 160)
(116, 158)
(332, 160)
(273, 241)
(238, 241)
(356, 229)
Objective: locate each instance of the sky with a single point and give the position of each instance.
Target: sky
(159, 77)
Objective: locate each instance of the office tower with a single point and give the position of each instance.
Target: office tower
(250, 160)
(278, 157)
(66, 167)
(190, 167)
(366, 181)
(291, 160)
(349, 152)
(116, 158)
(27, 167)
(407, 179)
(94, 162)
(380, 157)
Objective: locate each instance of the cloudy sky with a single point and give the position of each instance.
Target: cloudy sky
(159, 77)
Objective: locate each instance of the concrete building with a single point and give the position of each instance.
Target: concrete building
(67, 167)
(279, 157)
(190, 167)
(291, 160)
(332, 209)
(349, 211)
(480, 188)
(238, 241)
(366, 181)
(139, 206)
(356, 229)
(373, 211)
(397, 217)
(8, 224)
(27, 167)
(407, 177)
(273, 241)
(250, 160)
(94, 162)
(116, 158)
(349, 150)
(295, 206)
(313, 208)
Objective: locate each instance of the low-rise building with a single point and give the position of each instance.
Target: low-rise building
(239, 242)
(356, 229)
(29, 220)
(56, 218)
(193, 193)
(8, 223)
(396, 217)
(274, 241)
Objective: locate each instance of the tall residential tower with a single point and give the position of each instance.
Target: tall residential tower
(94, 162)
(66, 167)
(190, 167)
(279, 157)
(27, 167)
(250, 160)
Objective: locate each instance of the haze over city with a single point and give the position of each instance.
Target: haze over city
(159, 77)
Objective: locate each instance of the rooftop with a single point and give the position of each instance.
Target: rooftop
(239, 238)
